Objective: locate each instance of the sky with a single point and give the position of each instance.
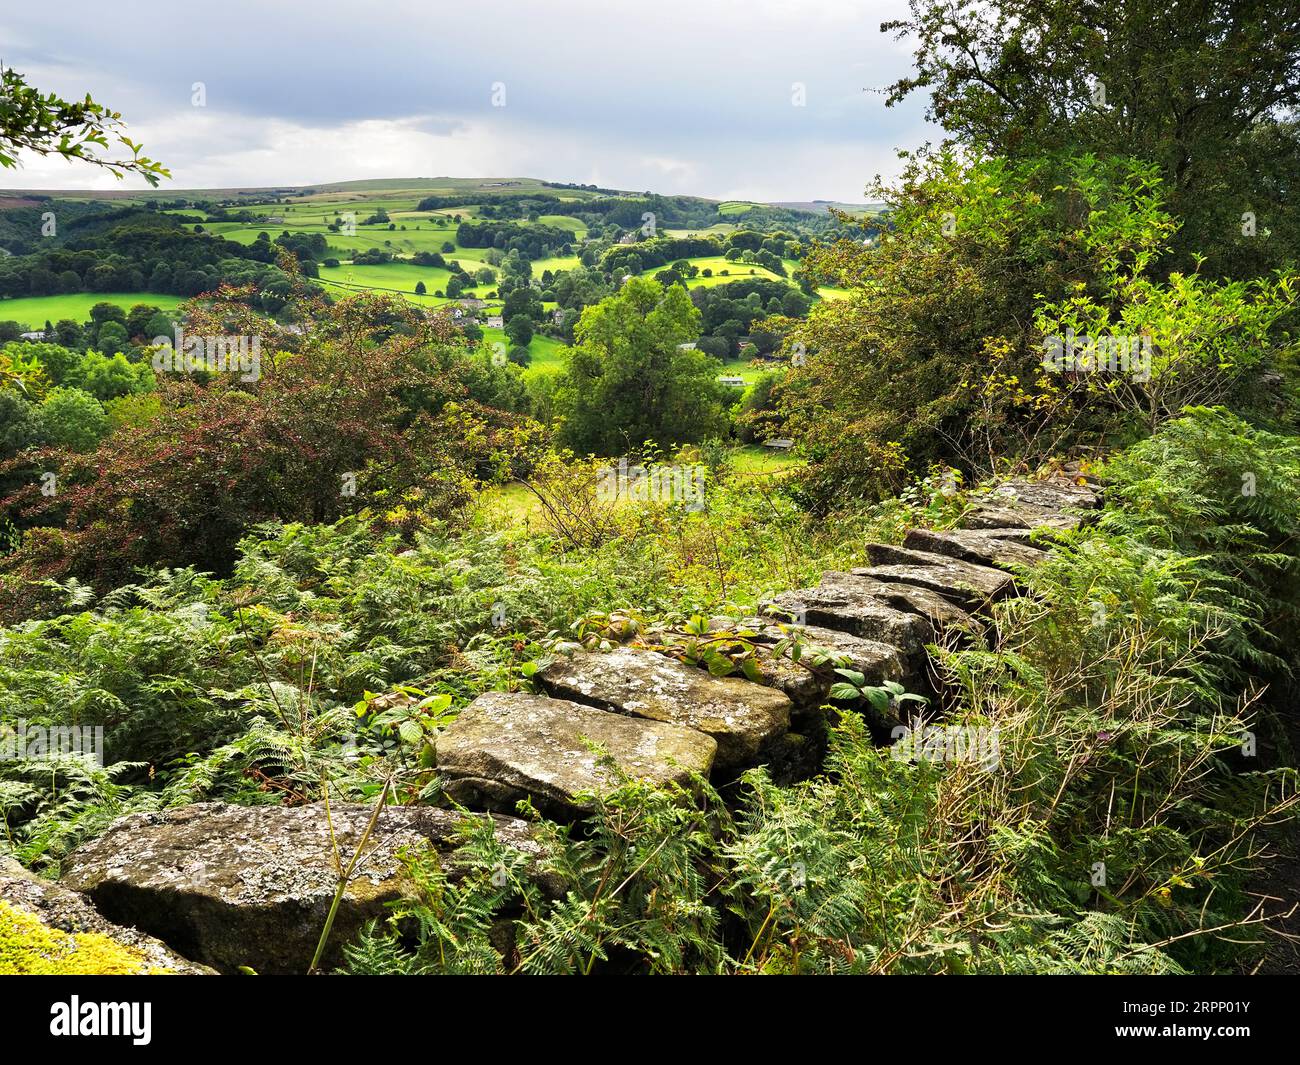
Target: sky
(744, 99)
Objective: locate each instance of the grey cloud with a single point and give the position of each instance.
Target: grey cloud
(707, 84)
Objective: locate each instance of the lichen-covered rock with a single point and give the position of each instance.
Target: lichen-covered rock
(506, 746)
(852, 608)
(1051, 494)
(251, 886)
(740, 716)
(47, 929)
(942, 614)
(1025, 504)
(985, 547)
(961, 582)
(994, 516)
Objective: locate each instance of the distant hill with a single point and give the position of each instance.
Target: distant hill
(824, 206)
(366, 188)
(424, 186)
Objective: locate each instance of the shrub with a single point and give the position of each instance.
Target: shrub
(374, 411)
(72, 419)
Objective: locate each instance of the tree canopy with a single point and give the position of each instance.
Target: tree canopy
(629, 381)
(1204, 90)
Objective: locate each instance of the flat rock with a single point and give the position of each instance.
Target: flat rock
(73, 938)
(506, 746)
(740, 715)
(993, 516)
(962, 582)
(251, 885)
(943, 614)
(852, 608)
(985, 547)
(1051, 494)
(1025, 504)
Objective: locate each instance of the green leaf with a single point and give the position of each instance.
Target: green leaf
(720, 665)
(841, 690)
(879, 698)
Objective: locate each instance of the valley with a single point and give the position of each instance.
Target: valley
(405, 237)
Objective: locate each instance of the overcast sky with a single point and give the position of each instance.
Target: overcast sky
(692, 96)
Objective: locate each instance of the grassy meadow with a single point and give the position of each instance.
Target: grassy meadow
(32, 312)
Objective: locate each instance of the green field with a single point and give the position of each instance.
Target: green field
(737, 271)
(421, 234)
(413, 230)
(508, 506)
(545, 353)
(730, 207)
(431, 230)
(399, 279)
(32, 312)
(734, 272)
(746, 370)
(563, 221)
(555, 263)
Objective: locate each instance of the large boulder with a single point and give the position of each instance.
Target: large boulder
(47, 929)
(251, 886)
(740, 716)
(506, 746)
